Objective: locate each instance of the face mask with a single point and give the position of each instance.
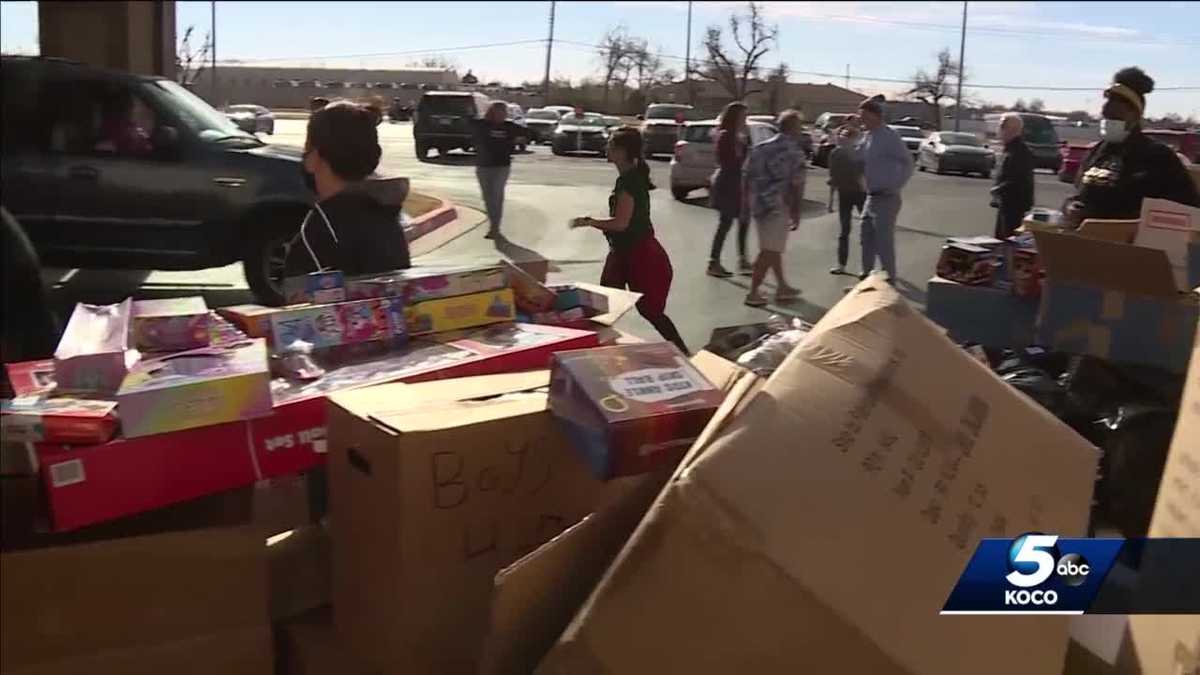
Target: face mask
(1113, 130)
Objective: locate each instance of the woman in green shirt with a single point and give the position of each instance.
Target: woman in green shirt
(636, 260)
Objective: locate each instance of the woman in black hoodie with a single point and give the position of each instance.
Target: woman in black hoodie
(355, 224)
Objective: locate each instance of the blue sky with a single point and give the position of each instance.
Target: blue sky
(1029, 44)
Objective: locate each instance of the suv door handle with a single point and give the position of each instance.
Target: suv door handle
(88, 173)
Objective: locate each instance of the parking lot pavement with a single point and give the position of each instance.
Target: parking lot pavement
(545, 191)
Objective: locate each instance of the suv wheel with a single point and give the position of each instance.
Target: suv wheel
(680, 193)
(263, 264)
(422, 151)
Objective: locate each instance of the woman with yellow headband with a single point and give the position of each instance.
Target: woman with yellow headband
(1126, 166)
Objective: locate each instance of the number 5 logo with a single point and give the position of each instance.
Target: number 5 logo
(1030, 563)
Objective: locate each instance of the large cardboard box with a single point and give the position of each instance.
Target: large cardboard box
(434, 488)
(1170, 227)
(184, 603)
(1141, 644)
(822, 527)
(1115, 301)
(310, 646)
(534, 599)
(989, 316)
(299, 571)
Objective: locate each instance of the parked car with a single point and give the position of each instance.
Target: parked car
(612, 122)
(1186, 143)
(443, 120)
(252, 118)
(1042, 139)
(661, 125)
(516, 113)
(695, 156)
(560, 109)
(194, 191)
(912, 137)
(580, 133)
(955, 151)
(1071, 157)
(399, 112)
(822, 135)
(541, 123)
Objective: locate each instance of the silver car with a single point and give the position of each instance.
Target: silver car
(695, 156)
(251, 118)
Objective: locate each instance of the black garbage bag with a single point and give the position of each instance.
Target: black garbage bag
(1038, 385)
(1134, 440)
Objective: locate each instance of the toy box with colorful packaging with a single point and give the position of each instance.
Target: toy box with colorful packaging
(94, 353)
(464, 311)
(633, 408)
(342, 323)
(317, 287)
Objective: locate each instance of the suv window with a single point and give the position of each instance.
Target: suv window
(699, 133)
(194, 113)
(448, 105)
(668, 112)
(97, 118)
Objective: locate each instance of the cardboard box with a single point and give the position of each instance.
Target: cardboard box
(253, 320)
(31, 377)
(1170, 227)
(94, 353)
(186, 602)
(966, 264)
(530, 294)
(988, 316)
(58, 419)
(94, 484)
(743, 564)
(438, 486)
(316, 287)
(299, 573)
(535, 598)
(1144, 644)
(418, 284)
(310, 647)
(459, 312)
(282, 503)
(17, 458)
(344, 323)
(1114, 301)
(195, 389)
(630, 409)
(1118, 231)
(170, 325)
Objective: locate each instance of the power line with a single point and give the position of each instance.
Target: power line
(708, 62)
(401, 53)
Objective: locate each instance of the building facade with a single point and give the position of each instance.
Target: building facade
(810, 99)
(283, 87)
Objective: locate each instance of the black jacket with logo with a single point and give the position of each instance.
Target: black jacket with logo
(363, 234)
(1014, 180)
(1114, 178)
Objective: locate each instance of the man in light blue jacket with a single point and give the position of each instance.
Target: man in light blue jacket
(888, 165)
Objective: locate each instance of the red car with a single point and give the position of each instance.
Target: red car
(1186, 143)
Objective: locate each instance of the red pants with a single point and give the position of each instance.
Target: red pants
(644, 269)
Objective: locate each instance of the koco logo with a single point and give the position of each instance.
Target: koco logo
(1032, 560)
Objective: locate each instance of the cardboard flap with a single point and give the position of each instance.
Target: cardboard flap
(1120, 231)
(398, 398)
(619, 302)
(453, 414)
(1105, 264)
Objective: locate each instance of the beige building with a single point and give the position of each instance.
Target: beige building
(282, 87)
(810, 99)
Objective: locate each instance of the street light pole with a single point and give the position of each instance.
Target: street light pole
(549, 47)
(687, 59)
(962, 48)
(213, 46)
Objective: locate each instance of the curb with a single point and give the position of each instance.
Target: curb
(431, 220)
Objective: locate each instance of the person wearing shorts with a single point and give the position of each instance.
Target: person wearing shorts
(775, 175)
(636, 260)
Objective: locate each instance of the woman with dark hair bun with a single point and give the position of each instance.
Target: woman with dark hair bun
(636, 260)
(1126, 166)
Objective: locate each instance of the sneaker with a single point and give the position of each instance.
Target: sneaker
(755, 301)
(745, 267)
(716, 270)
(837, 269)
(492, 234)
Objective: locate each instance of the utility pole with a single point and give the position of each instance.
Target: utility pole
(962, 48)
(549, 47)
(847, 75)
(687, 60)
(213, 37)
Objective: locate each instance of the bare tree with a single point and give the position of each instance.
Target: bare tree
(933, 88)
(617, 53)
(736, 71)
(191, 60)
(434, 61)
(776, 87)
(1037, 105)
(1020, 106)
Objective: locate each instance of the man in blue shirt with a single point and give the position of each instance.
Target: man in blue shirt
(775, 173)
(887, 166)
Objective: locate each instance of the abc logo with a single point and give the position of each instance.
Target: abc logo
(1034, 558)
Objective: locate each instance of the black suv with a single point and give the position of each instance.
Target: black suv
(443, 120)
(115, 170)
